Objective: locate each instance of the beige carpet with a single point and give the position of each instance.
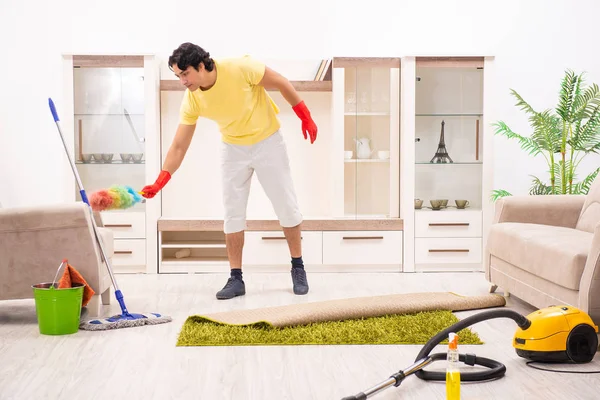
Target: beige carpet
(353, 308)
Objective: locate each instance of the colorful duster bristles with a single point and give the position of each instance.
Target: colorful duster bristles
(115, 198)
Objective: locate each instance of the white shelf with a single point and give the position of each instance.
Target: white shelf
(367, 114)
(194, 245)
(453, 163)
(448, 208)
(365, 216)
(366, 160)
(449, 115)
(195, 260)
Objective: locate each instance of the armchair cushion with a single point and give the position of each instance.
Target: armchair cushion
(554, 253)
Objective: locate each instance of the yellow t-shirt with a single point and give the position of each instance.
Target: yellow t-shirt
(244, 111)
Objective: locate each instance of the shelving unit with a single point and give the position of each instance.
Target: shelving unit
(366, 115)
(367, 219)
(448, 135)
(111, 108)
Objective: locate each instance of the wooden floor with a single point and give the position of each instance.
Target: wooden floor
(144, 363)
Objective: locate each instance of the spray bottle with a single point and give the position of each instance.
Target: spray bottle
(452, 370)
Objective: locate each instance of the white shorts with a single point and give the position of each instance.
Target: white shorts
(270, 160)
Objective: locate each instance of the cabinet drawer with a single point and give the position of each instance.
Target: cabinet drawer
(125, 224)
(362, 247)
(129, 252)
(447, 250)
(271, 248)
(448, 223)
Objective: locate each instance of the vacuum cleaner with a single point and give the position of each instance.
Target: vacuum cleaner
(556, 334)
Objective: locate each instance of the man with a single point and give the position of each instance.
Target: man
(232, 92)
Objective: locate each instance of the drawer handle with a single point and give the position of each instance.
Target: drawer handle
(123, 252)
(276, 238)
(118, 226)
(449, 224)
(361, 237)
(448, 250)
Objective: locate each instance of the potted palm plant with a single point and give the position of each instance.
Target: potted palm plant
(564, 136)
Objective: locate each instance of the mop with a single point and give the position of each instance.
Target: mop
(125, 319)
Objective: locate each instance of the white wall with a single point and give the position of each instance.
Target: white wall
(518, 33)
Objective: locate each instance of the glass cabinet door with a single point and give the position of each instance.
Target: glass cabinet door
(449, 112)
(109, 127)
(371, 137)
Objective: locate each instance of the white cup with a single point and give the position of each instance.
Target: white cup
(348, 154)
(383, 154)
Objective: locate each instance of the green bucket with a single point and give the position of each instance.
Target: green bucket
(58, 310)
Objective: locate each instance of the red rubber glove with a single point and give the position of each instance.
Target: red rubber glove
(151, 190)
(308, 125)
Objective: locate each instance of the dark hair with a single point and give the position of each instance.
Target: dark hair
(190, 54)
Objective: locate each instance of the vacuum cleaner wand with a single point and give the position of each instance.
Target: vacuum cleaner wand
(424, 358)
(394, 380)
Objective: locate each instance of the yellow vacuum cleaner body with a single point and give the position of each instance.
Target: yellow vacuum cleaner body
(558, 334)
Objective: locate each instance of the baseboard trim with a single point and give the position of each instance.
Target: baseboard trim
(201, 268)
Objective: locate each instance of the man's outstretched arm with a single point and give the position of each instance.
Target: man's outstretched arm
(179, 147)
(275, 81)
(175, 155)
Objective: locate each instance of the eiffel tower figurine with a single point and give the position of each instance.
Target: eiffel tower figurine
(441, 155)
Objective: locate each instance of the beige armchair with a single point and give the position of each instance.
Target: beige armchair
(34, 241)
(545, 250)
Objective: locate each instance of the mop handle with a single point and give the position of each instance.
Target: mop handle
(56, 120)
(85, 199)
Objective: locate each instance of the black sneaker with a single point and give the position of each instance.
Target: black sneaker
(234, 287)
(300, 282)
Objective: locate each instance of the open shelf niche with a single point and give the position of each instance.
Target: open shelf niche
(321, 82)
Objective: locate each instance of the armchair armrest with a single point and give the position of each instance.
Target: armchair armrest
(589, 286)
(556, 210)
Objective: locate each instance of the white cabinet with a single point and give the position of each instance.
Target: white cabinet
(271, 248)
(438, 253)
(327, 246)
(448, 223)
(125, 224)
(129, 231)
(362, 247)
(130, 255)
(447, 141)
(110, 117)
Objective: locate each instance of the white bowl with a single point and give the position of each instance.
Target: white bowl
(348, 154)
(383, 154)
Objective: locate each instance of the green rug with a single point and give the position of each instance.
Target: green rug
(414, 328)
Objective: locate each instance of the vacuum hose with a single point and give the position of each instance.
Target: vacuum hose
(496, 369)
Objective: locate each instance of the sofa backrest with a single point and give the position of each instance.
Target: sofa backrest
(590, 213)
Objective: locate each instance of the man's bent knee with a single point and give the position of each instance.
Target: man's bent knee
(234, 225)
(291, 220)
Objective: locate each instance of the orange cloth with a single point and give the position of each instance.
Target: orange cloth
(70, 276)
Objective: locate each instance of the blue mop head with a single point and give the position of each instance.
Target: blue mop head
(124, 321)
